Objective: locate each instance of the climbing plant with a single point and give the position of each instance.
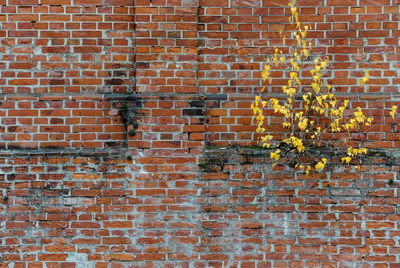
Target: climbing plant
(312, 115)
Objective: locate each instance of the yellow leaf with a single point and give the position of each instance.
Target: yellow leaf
(303, 124)
(308, 170)
(346, 159)
(264, 75)
(362, 150)
(392, 113)
(275, 155)
(319, 166)
(291, 91)
(286, 124)
(265, 140)
(350, 151)
(306, 53)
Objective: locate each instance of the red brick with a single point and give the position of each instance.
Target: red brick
(23, 2)
(55, 49)
(88, 2)
(116, 240)
(86, 34)
(119, 257)
(53, 257)
(59, 248)
(56, 2)
(55, 17)
(23, 17)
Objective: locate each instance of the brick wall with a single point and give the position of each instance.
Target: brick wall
(125, 136)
